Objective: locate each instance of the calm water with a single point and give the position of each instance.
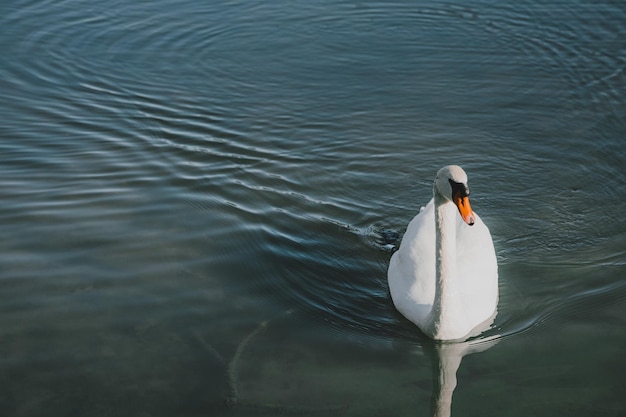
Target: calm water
(198, 198)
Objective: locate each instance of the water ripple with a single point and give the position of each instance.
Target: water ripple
(292, 133)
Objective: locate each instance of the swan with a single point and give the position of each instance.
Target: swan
(444, 275)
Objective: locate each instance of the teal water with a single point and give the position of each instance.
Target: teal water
(198, 200)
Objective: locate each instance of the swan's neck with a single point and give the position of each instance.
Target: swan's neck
(446, 293)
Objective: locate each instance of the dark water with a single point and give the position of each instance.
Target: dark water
(197, 198)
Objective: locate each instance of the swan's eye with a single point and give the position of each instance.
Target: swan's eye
(459, 189)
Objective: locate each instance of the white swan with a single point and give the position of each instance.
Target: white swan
(444, 276)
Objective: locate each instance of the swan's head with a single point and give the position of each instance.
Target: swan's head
(451, 184)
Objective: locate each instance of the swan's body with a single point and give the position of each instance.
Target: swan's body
(444, 276)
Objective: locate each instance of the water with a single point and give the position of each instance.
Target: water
(197, 198)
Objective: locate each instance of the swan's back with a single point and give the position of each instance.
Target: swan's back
(412, 271)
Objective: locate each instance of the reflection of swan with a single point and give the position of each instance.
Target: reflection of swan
(446, 359)
(444, 276)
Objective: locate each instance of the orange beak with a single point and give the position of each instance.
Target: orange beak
(465, 209)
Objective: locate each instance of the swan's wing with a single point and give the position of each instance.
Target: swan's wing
(477, 268)
(411, 271)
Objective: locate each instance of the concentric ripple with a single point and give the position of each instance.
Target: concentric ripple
(264, 144)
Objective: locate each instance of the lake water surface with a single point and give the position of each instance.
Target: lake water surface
(199, 197)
